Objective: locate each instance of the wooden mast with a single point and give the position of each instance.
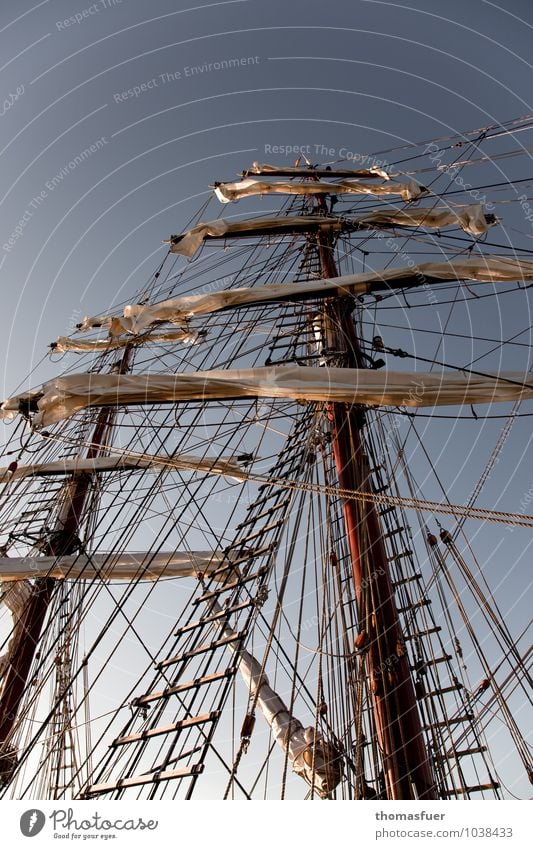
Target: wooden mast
(407, 772)
(63, 540)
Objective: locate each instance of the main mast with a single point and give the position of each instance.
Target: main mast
(406, 770)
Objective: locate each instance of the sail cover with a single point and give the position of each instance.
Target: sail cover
(471, 218)
(228, 192)
(310, 755)
(490, 269)
(62, 397)
(116, 566)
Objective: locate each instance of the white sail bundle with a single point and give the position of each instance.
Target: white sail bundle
(472, 219)
(490, 269)
(108, 322)
(231, 192)
(188, 243)
(310, 755)
(118, 325)
(373, 171)
(226, 466)
(62, 397)
(64, 344)
(115, 566)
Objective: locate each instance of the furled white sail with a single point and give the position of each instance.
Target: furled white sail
(310, 755)
(228, 192)
(490, 269)
(105, 321)
(62, 397)
(116, 566)
(188, 243)
(227, 466)
(65, 343)
(472, 219)
(260, 168)
(117, 325)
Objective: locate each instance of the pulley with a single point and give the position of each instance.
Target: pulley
(247, 729)
(446, 537)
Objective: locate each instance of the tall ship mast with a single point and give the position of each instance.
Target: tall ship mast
(250, 542)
